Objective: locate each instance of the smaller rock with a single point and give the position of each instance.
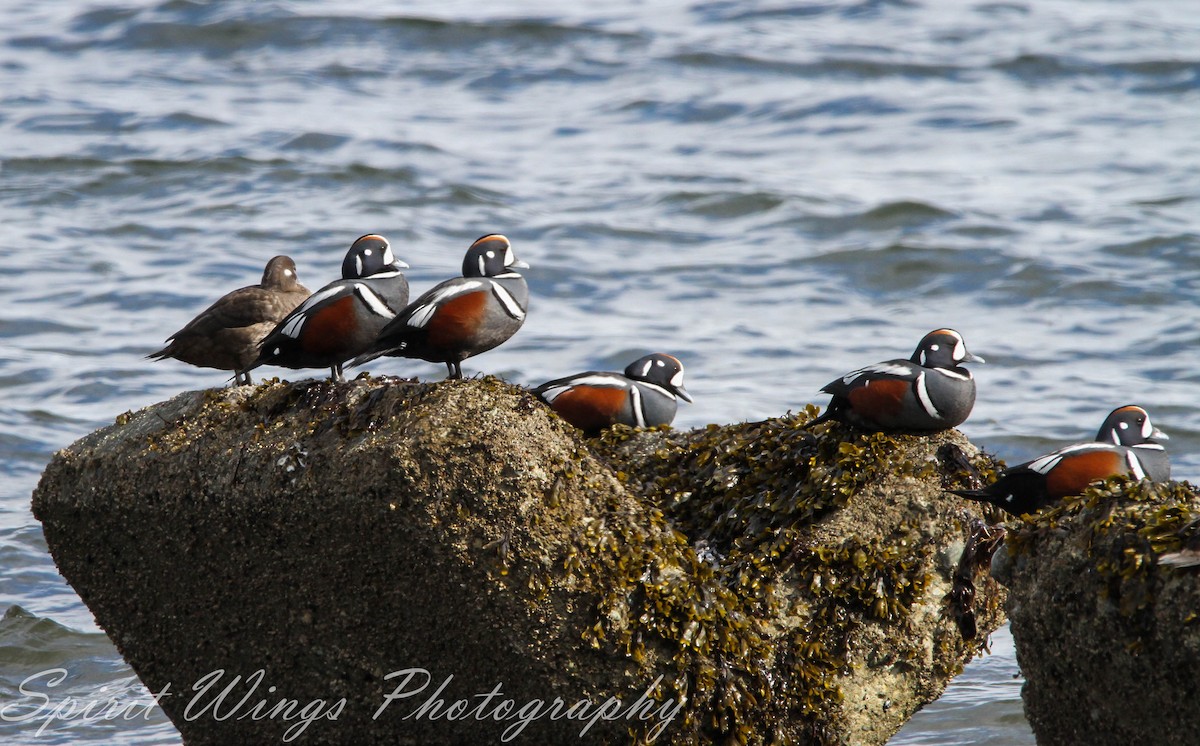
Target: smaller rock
(1107, 634)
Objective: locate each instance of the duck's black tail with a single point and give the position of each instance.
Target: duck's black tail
(832, 413)
(981, 496)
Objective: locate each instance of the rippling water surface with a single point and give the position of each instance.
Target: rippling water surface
(774, 192)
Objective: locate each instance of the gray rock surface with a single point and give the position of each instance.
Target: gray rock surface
(356, 541)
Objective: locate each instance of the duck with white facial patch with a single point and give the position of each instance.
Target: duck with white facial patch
(929, 392)
(226, 335)
(645, 396)
(1127, 444)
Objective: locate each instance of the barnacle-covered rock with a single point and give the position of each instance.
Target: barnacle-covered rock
(1105, 609)
(385, 561)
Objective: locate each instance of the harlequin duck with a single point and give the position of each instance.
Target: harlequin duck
(226, 335)
(463, 317)
(643, 397)
(343, 318)
(1126, 444)
(928, 392)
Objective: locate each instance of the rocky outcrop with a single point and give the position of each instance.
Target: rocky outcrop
(384, 561)
(1105, 609)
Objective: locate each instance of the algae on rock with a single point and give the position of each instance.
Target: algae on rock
(779, 585)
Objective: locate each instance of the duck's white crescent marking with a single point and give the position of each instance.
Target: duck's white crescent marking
(1135, 464)
(639, 415)
(923, 397)
(373, 301)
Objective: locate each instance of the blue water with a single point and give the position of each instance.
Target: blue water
(774, 192)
